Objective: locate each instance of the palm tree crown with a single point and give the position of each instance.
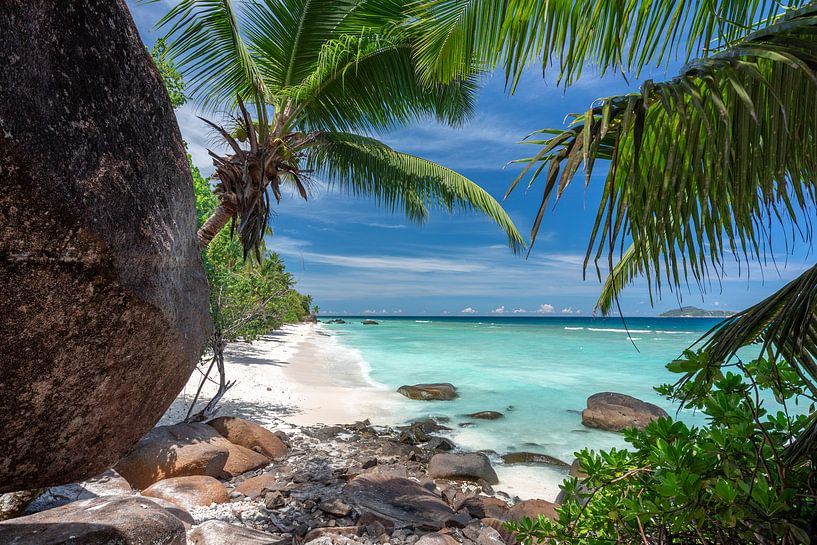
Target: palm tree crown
(312, 81)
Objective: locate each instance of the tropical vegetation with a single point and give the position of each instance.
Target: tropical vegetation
(312, 82)
(700, 170)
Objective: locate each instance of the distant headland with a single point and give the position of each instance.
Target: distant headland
(695, 312)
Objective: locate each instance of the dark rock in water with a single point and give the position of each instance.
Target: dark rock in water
(216, 532)
(615, 412)
(336, 321)
(124, 520)
(437, 391)
(370, 322)
(466, 424)
(464, 466)
(104, 295)
(400, 500)
(485, 415)
(440, 443)
(532, 458)
(430, 424)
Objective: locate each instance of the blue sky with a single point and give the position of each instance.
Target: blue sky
(355, 258)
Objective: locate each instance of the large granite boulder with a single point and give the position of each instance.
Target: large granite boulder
(469, 466)
(104, 298)
(615, 412)
(436, 391)
(109, 483)
(532, 509)
(250, 435)
(189, 492)
(120, 520)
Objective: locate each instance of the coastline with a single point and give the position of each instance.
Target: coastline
(302, 376)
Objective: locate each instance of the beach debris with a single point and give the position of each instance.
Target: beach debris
(616, 412)
(533, 458)
(216, 532)
(486, 415)
(462, 465)
(103, 290)
(250, 435)
(129, 520)
(436, 391)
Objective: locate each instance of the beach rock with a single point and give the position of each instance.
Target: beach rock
(346, 531)
(175, 451)
(489, 536)
(241, 460)
(189, 492)
(429, 425)
(486, 415)
(483, 507)
(216, 532)
(462, 466)
(250, 435)
(498, 525)
(14, 504)
(98, 252)
(532, 509)
(440, 443)
(615, 412)
(176, 510)
(336, 507)
(532, 458)
(370, 322)
(120, 520)
(442, 391)
(109, 483)
(257, 486)
(437, 538)
(403, 501)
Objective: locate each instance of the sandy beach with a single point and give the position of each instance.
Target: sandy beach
(294, 375)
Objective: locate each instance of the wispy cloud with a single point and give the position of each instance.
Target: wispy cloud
(469, 310)
(545, 309)
(499, 310)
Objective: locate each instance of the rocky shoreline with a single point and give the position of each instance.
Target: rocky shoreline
(342, 485)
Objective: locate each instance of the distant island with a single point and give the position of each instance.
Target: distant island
(695, 312)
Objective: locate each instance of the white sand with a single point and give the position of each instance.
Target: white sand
(300, 374)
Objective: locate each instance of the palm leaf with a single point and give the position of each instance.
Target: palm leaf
(364, 166)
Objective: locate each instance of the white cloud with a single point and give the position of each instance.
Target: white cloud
(519, 311)
(569, 310)
(500, 310)
(468, 310)
(369, 311)
(398, 311)
(545, 309)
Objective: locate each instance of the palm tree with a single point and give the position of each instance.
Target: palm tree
(700, 167)
(320, 78)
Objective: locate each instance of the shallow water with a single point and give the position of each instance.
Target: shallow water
(537, 371)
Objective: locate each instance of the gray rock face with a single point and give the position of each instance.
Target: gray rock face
(615, 412)
(467, 466)
(109, 483)
(123, 520)
(104, 299)
(400, 500)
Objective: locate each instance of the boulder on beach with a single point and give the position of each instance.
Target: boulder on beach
(401, 500)
(250, 435)
(189, 492)
(532, 509)
(109, 483)
(258, 485)
(615, 412)
(103, 289)
(217, 532)
(462, 466)
(436, 538)
(485, 415)
(533, 458)
(175, 451)
(124, 520)
(483, 507)
(241, 460)
(436, 391)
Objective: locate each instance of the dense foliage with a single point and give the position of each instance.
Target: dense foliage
(731, 481)
(248, 299)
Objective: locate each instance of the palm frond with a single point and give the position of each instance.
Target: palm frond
(205, 41)
(703, 165)
(369, 82)
(364, 166)
(628, 268)
(609, 34)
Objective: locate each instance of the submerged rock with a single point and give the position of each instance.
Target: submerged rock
(615, 412)
(437, 391)
(104, 296)
(532, 458)
(486, 415)
(466, 465)
(124, 520)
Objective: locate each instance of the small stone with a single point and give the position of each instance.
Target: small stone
(273, 500)
(368, 462)
(335, 507)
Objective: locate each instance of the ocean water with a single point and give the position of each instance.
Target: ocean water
(537, 371)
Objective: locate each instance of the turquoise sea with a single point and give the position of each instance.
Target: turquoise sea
(537, 371)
